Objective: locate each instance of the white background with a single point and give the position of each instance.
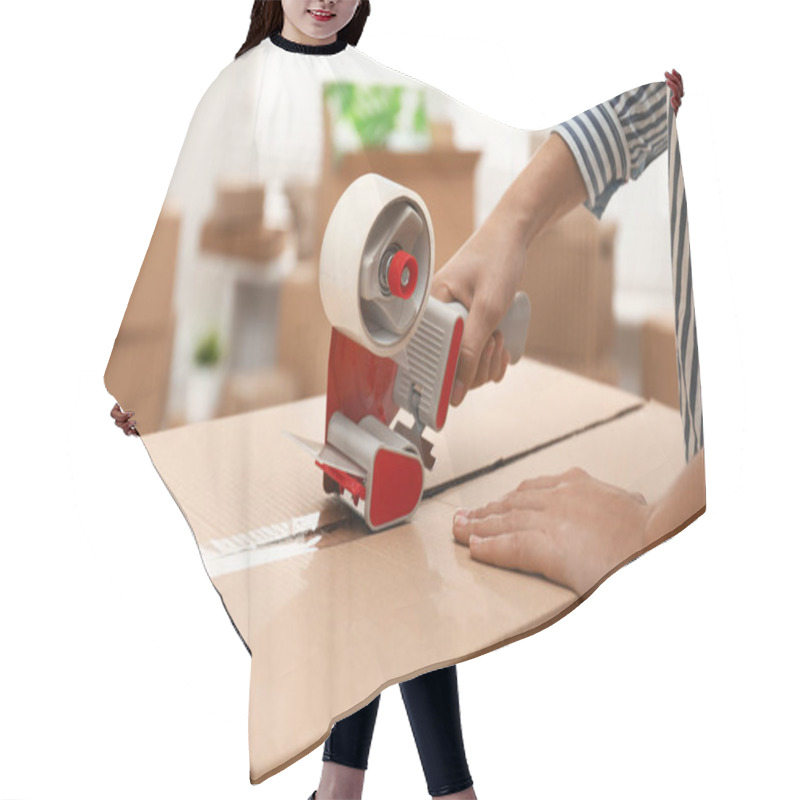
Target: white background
(120, 675)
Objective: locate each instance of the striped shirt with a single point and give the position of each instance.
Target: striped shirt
(613, 143)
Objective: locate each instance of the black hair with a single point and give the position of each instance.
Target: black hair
(266, 18)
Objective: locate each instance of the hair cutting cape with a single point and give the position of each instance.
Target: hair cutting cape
(224, 350)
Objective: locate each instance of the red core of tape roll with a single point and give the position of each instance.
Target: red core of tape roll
(403, 265)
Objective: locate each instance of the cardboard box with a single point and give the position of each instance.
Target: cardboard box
(138, 373)
(239, 205)
(659, 360)
(249, 391)
(603, 369)
(569, 277)
(236, 227)
(442, 135)
(304, 333)
(302, 198)
(334, 617)
(150, 304)
(260, 244)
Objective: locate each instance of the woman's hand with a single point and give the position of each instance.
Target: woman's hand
(575, 529)
(675, 84)
(486, 272)
(124, 420)
(483, 275)
(571, 528)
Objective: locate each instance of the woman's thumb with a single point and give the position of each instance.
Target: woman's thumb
(472, 344)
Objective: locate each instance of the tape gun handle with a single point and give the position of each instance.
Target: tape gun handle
(513, 326)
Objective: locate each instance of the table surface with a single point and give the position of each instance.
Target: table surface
(333, 614)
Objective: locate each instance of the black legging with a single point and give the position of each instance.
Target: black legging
(432, 706)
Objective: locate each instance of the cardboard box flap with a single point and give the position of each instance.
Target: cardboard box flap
(239, 474)
(330, 629)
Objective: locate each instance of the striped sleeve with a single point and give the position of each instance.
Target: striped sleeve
(613, 143)
(685, 328)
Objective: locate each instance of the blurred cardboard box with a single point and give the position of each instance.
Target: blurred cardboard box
(603, 369)
(659, 360)
(239, 205)
(249, 391)
(150, 305)
(236, 228)
(442, 137)
(259, 244)
(138, 370)
(569, 277)
(304, 332)
(138, 373)
(302, 196)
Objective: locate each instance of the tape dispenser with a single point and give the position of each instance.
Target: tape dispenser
(392, 347)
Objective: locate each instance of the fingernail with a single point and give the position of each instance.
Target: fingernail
(474, 539)
(460, 519)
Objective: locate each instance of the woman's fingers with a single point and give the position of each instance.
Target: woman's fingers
(513, 513)
(524, 499)
(128, 427)
(675, 83)
(119, 414)
(527, 550)
(531, 495)
(541, 482)
(124, 420)
(493, 525)
(485, 363)
(489, 510)
(477, 346)
(497, 366)
(506, 362)
(675, 77)
(493, 362)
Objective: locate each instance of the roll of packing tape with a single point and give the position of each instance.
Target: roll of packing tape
(376, 264)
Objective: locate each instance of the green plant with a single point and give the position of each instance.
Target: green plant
(372, 111)
(208, 351)
(421, 116)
